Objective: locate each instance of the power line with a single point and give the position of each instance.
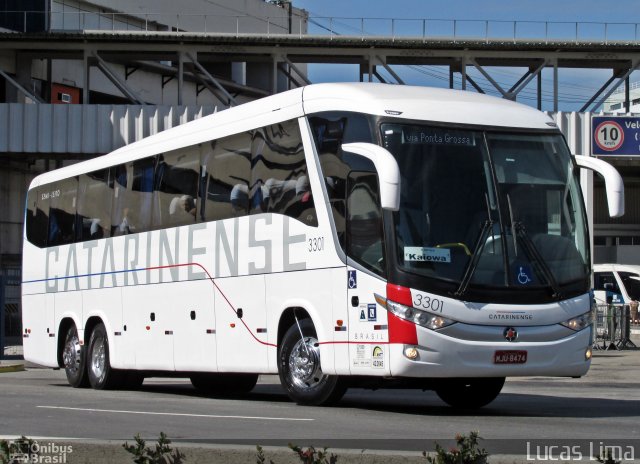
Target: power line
(525, 94)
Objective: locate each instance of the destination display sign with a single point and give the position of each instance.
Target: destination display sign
(615, 135)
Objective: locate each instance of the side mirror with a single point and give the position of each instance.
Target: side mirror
(388, 171)
(612, 181)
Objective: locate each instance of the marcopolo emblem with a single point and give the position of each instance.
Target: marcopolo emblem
(510, 334)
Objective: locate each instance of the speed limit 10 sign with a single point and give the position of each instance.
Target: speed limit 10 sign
(615, 135)
(609, 135)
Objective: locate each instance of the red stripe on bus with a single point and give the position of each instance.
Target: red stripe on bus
(221, 293)
(345, 342)
(400, 332)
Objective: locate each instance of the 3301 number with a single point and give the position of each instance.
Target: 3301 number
(316, 244)
(426, 302)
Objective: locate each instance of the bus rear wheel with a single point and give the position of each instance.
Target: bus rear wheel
(300, 370)
(101, 375)
(224, 384)
(73, 358)
(470, 393)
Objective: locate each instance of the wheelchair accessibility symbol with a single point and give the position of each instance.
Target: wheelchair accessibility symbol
(524, 276)
(352, 281)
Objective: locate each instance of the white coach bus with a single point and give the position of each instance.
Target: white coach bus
(339, 235)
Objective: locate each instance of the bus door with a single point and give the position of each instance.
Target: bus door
(241, 324)
(147, 312)
(194, 326)
(368, 332)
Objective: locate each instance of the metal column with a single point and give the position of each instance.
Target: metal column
(86, 76)
(555, 86)
(180, 78)
(2, 315)
(627, 95)
(463, 71)
(539, 91)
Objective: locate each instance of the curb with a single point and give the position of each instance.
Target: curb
(11, 368)
(109, 451)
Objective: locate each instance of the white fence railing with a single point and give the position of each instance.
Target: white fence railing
(394, 28)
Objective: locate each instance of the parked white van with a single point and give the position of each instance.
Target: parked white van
(622, 281)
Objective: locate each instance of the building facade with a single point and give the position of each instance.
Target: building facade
(58, 106)
(66, 99)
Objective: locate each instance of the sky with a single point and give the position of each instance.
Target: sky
(575, 86)
(543, 10)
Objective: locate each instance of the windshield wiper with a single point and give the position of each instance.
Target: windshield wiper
(536, 258)
(513, 227)
(475, 259)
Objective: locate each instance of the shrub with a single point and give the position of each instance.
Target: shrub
(607, 458)
(467, 452)
(162, 454)
(313, 456)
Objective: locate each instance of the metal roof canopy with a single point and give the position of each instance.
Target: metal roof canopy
(134, 49)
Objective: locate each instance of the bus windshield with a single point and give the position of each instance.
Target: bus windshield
(487, 209)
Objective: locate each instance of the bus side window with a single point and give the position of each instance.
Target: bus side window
(225, 173)
(62, 212)
(330, 130)
(95, 194)
(279, 182)
(119, 209)
(133, 197)
(38, 216)
(365, 242)
(176, 188)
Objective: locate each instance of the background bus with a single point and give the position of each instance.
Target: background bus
(337, 234)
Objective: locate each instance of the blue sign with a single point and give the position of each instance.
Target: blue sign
(352, 280)
(616, 298)
(372, 309)
(615, 135)
(524, 275)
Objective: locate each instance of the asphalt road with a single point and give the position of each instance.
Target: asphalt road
(604, 405)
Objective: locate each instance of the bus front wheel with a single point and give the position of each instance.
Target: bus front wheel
(101, 375)
(300, 371)
(470, 393)
(73, 358)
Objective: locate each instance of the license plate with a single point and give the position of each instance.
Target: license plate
(510, 357)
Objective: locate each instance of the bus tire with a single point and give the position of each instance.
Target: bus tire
(224, 384)
(472, 393)
(101, 375)
(73, 358)
(300, 371)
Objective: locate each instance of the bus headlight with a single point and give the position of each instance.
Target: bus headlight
(580, 322)
(417, 316)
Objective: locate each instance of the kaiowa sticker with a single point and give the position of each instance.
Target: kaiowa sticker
(432, 255)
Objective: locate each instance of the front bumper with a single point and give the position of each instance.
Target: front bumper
(440, 355)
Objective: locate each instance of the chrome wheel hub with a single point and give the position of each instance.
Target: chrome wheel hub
(98, 358)
(304, 363)
(71, 354)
